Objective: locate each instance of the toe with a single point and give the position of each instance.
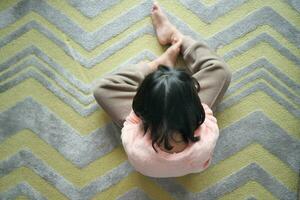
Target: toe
(154, 10)
(154, 7)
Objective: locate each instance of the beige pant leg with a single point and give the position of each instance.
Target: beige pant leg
(211, 71)
(115, 91)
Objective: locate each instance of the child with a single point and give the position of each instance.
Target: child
(154, 103)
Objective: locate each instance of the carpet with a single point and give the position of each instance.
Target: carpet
(57, 143)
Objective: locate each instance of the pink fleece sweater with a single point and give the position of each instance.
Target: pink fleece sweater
(195, 158)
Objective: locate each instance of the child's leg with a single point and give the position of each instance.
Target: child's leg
(205, 65)
(115, 91)
(211, 71)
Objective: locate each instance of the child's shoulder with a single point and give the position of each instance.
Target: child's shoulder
(133, 118)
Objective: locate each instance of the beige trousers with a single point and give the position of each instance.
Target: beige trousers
(115, 91)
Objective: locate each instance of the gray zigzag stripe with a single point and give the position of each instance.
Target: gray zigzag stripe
(61, 136)
(93, 107)
(85, 88)
(263, 63)
(31, 73)
(260, 38)
(232, 134)
(88, 99)
(251, 198)
(83, 150)
(265, 15)
(88, 63)
(295, 4)
(229, 55)
(259, 87)
(135, 193)
(84, 111)
(261, 74)
(145, 30)
(22, 188)
(92, 8)
(211, 13)
(26, 158)
(38, 72)
(89, 40)
(251, 172)
(207, 13)
(72, 52)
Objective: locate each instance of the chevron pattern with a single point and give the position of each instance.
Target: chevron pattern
(57, 143)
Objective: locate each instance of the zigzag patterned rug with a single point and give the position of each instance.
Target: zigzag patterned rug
(57, 143)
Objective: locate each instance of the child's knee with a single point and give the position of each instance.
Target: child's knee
(224, 74)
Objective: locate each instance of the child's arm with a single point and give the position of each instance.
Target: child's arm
(115, 91)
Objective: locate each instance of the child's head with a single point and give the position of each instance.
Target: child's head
(167, 101)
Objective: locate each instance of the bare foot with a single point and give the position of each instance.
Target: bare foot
(169, 57)
(165, 31)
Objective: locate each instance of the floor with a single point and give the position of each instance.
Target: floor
(57, 143)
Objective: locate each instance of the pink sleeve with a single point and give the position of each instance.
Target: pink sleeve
(209, 132)
(130, 127)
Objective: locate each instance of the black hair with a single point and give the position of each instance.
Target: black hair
(166, 101)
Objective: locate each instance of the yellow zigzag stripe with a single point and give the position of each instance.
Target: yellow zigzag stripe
(124, 185)
(5, 4)
(32, 56)
(81, 178)
(47, 190)
(22, 197)
(244, 88)
(222, 50)
(87, 75)
(93, 24)
(250, 188)
(84, 125)
(98, 50)
(86, 23)
(30, 68)
(264, 49)
(177, 9)
(260, 101)
(237, 43)
(253, 153)
(59, 56)
(231, 17)
(62, 90)
(253, 34)
(250, 84)
(24, 174)
(78, 176)
(59, 34)
(132, 181)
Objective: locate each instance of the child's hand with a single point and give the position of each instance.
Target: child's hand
(176, 44)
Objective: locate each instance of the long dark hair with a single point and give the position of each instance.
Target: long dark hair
(167, 101)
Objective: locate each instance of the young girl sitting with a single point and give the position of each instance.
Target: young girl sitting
(165, 114)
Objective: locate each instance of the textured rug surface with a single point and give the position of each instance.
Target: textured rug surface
(57, 143)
